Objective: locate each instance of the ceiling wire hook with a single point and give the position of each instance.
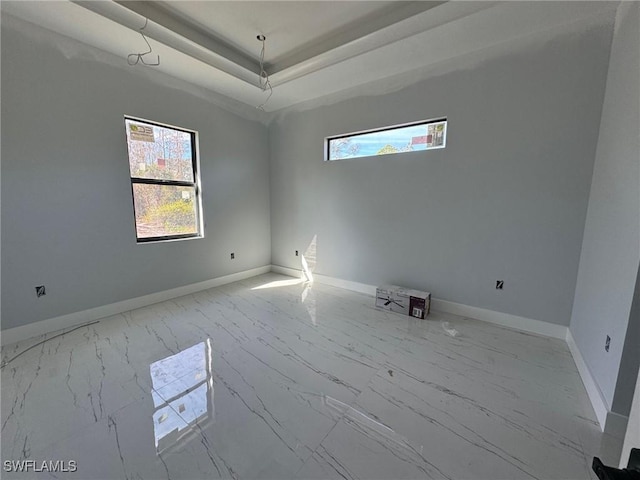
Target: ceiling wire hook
(263, 77)
(135, 58)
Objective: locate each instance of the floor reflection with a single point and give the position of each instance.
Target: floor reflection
(308, 299)
(182, 394)
(279, 283)
(369, 426)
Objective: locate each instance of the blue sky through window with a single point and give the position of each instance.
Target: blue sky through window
(403, 139)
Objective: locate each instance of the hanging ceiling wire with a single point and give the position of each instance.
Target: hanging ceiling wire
(263, 76)
(135, 58)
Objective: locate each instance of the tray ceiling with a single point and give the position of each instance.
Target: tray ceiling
(312, 48)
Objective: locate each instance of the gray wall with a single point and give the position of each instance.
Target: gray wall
(506, 199)
(67, 212)
(611, 246)
(630, 359)
(632, 437)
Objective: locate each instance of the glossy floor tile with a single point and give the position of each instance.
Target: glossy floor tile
(270, 378)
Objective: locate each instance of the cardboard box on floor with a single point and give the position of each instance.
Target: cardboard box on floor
(414, 303)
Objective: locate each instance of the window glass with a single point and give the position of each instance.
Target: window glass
(406, 138)
(164, 181)
(159, 152)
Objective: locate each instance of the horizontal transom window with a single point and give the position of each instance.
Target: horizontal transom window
(411, 137)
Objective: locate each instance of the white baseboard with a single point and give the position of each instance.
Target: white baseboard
(290, 272)
(346, 284)
(598, 401)
(325, 280)
(24, 332)
(505, 319)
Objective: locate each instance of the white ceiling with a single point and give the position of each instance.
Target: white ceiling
(312, 49)
(287, 25)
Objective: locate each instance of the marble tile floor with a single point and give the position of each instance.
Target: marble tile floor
(270, 378)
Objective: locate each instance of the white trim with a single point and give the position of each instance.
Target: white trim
(504, 319)
(326, 280)
(290, 272)
(24, 332)
(499, 318)
(346, 284)
(593, 391)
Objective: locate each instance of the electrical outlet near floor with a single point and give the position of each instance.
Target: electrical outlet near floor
(296, 253)
(233, 255)
(607, 343)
